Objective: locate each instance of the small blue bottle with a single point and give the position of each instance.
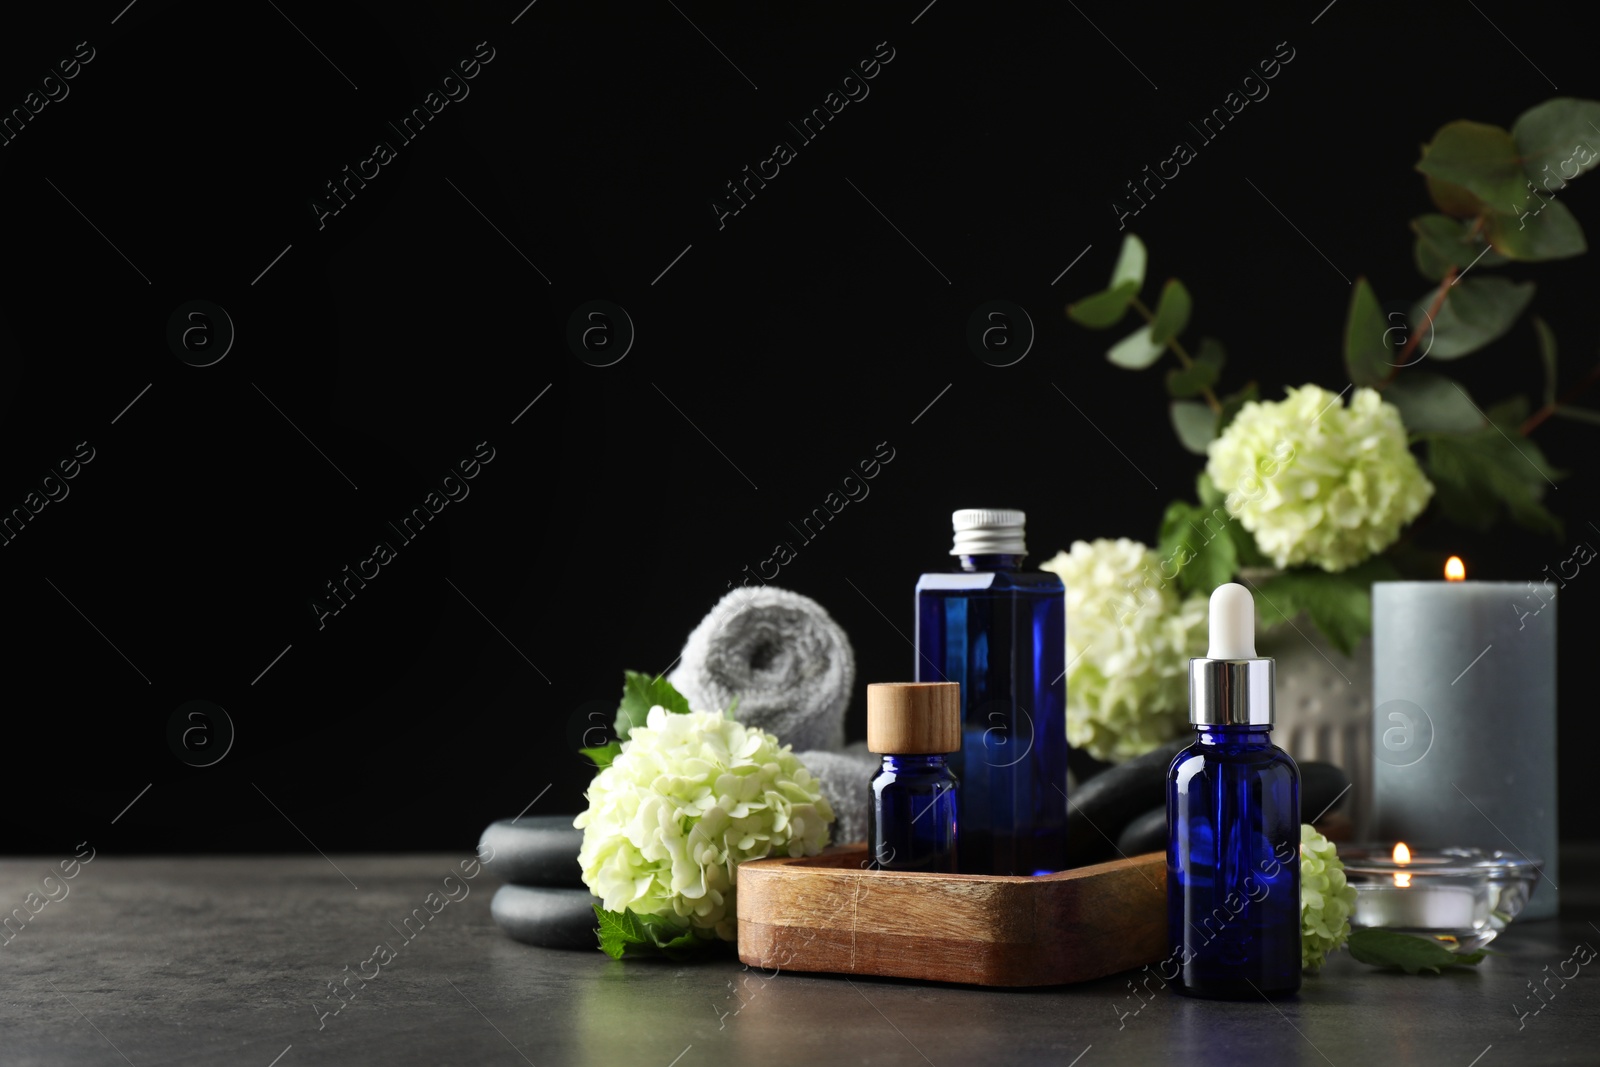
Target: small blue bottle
(1233, 825)
(1001, 633)
(911, 813)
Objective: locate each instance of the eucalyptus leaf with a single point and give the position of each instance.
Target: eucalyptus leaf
(1554, 139)
(1480, 157)
(1135, 351)
(1478, 476)
(1379, 947)
(1432, 403)
(1547, 357)
(1442, 242)
(1191, 380)
(1104, 308)
(1366, 343)
(1549, 232)
(1196, 425)
(1453, 199)
(1202, 373)
(1476, 312)
(1130, 264)
(1172, 313)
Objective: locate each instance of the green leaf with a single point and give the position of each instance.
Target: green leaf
(603, 755)
(1476, 476)
(1453, 199)
(1339, 605)
(1195, 424)
(1233, 403)
(1366, 337)
(1130, 264)
(1389, 948)
(1547, 357)
(1482, 158)
(1104, 308)
(1135, 351)
(1443, 242)
(626, 933)
(640, 693)
(1244, 545)
(1195, 546)
(1476, 312)
(1432, 403)
(1553, 139)
(1201, 374)
(1172, 313)
(1549, 232)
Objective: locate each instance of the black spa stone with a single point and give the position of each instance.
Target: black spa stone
(544, 916)
(537, 850)
(1126, 804)
(1321, 784)
(1101, 807)
(1147, 833)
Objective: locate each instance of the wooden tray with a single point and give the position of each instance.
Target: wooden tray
(827, 913)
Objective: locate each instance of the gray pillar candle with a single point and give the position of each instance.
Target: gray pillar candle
(1464, 719)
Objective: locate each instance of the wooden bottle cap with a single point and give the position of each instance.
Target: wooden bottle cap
(913, 718)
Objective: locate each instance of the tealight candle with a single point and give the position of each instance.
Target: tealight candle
(1464, 896)
(1464, 717)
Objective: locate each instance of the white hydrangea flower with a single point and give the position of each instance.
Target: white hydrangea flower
(1318, 482)
(1326, 899)
(1129, 639)
(690, 797)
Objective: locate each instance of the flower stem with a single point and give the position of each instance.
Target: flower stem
(1183, 357)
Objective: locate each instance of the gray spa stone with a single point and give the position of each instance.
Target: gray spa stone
(550, 918)
(534, 850)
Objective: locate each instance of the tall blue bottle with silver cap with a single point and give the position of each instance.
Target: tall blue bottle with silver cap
(1001, 632)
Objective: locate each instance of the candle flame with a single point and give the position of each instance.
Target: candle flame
(1455, 570)
(1402, 854)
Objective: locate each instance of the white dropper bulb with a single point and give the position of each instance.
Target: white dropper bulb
(1233, 623)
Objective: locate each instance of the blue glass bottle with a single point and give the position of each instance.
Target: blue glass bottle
(911, 819)
(911, 811)
(1233, 818)
(1000, 632)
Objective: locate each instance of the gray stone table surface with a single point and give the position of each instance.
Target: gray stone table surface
(157, 961)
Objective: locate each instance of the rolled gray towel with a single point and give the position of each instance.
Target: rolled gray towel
(844, 777)
(782, 656)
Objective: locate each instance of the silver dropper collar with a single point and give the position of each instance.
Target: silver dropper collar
(1230, 685)
(1231, 692)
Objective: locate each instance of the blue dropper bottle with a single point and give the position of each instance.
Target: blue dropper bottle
(1233, 824)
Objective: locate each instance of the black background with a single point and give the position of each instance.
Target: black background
(454, 688)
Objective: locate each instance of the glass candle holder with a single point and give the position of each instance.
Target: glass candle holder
(1461, 897)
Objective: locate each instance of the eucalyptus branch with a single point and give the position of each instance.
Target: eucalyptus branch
(1416, 335)
(1534, 421)
(1178, 350)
